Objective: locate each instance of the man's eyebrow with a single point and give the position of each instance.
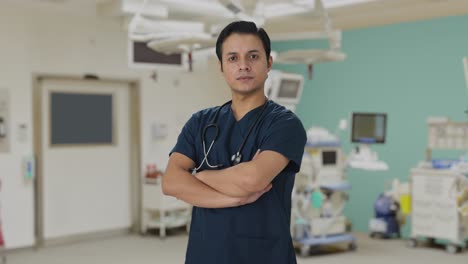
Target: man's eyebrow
(250, 51)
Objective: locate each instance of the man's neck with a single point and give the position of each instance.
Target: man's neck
(241, 105)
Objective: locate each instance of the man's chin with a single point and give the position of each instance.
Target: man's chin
(245, 91)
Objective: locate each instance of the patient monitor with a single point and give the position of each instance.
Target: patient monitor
(329, 165)
(323, 161)
(284, 88)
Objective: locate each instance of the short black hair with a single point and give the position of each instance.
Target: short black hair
(242, 27)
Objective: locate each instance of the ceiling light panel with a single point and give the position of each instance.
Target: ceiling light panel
(205, 7)
(150, 9)
(283, 9)
(333, 3)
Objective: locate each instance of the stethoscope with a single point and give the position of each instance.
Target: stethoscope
(235, 158)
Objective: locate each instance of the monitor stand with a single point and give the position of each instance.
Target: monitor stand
(364, 158)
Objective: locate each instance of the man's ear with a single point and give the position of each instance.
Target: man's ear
(220, 64)
(270, 62)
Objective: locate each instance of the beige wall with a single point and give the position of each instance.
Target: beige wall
(41, 43)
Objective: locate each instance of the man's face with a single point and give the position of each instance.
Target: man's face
(245, 67)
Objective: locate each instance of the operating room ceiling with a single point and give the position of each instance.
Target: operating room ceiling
(351, 16)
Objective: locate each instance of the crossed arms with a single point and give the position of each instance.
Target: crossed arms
(230, 187)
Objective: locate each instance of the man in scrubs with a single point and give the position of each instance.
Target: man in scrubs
(236, 163)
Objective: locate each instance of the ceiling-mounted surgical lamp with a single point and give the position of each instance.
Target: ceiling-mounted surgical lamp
(183, 43)
(141, 27)
(310, 57)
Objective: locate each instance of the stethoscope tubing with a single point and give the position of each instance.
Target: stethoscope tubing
(237, 157)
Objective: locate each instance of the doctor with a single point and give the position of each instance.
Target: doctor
(236, 163)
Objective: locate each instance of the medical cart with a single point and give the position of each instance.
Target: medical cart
(162, 211)
(435, 208)
(439, 192)
(319, 196)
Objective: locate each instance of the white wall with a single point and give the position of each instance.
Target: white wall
(32, 43)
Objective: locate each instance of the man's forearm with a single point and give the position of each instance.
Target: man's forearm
(195, 192)
(232, 181)
(247, 177)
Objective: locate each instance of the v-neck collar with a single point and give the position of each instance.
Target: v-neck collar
(248, 115)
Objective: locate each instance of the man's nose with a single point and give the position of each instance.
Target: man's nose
(244, 65)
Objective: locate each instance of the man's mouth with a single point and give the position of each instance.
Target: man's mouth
(244, 78)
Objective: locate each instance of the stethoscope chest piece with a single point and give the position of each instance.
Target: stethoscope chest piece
(236, 158)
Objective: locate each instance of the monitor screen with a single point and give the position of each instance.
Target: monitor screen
(329, 157)
(369, 128)
(289, 89)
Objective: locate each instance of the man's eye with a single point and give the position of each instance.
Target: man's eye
(254, 56)
(233, 58)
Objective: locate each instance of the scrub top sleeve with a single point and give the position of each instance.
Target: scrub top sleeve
(186, 140)
(286, 136)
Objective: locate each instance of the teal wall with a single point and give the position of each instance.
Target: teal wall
(410, 71)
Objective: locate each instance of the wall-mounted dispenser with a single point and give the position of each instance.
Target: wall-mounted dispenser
(29, 167)
(2, 128)
(4, 121)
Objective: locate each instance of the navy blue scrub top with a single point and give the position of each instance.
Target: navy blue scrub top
(254, 233)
